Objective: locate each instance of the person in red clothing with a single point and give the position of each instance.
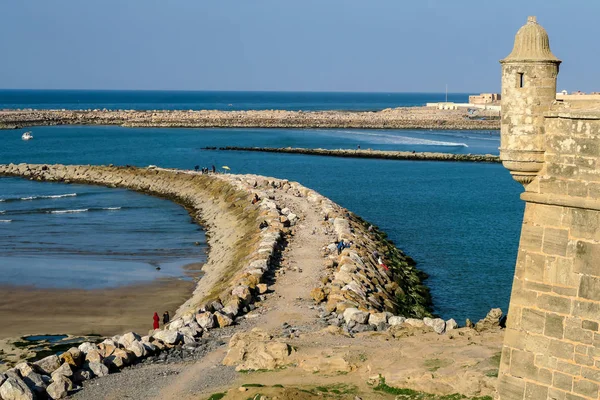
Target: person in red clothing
(156, 319)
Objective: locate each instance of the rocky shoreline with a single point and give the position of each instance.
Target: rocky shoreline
(397, 118)
(245, 238)
(368, 153)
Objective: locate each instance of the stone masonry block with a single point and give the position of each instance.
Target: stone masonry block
(574, 332)
(559, 271)
(535, 392)
(534, 267)
(554, 326)
(585, 388)
(555, 241)
(512, 387)
(592, 374)
(589, 287)
(589, 325)
(587, 258)
(533, 320)
(556, 394)
(586, 309)
(522, 364)
(562, 381)
(584, 360)
(568, 368)
(560, 349)
(531, 237)
(557, 304)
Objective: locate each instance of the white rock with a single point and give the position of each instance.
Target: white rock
(438, 324)
(98, 369)
(354, 314)
(396, 320)
(451, 324)
(168, 337)
(129, 338)
(59, 387)
(285, 211)
(15, 389)
(137, 348)
(48, 364)
(178, 323)
(377, 318)
(86, 347)
(417, 323)
(205, 320)
(64, 370)
(293, 218)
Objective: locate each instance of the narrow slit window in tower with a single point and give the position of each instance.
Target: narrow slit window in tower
(520, 79)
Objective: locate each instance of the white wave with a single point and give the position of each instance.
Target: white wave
(68, 211)
(111, 208)
(51, 196)
(2, 211)
(5, 220)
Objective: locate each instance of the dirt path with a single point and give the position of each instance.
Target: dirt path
(301, 268)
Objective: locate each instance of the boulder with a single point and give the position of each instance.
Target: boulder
(138, 349)
(114, 362)
(15, 389)
(318, 295)
(355, 315)
(451, 324)
(255, 350)
(25, 368)
(106, 349)
(206, 320)
(491, 320)
(293, 218)
(3, 377)
(231, 310)
(417, 323)
(169, 337)
(64, 370)
(93, 355)
(73, 357)
(59, 388)
(98, 369)
(262, 288)
(396, 320)
(86, 347)
(48, 364)
(243, 293)
(35, 382)
(376, 319)
(129, 338)
(174, 325)
(223, 319)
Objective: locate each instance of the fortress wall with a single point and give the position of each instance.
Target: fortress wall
(552, 342)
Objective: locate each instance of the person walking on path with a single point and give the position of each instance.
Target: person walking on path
(166, 318)
(156, 319)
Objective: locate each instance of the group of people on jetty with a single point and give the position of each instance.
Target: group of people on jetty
(205, 170)
(165, 319)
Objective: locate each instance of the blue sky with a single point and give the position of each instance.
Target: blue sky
(312, 45)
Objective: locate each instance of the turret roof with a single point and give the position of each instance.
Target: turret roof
(531, 44)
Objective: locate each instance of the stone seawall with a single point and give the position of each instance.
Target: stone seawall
(397, 118)
(378, 154)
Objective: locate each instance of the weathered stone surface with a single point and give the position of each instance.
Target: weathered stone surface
(98, 369)
(451, 324)
(318, 295)
(167, 336)
(82, 375)
(15, 389)
(137, 348)
(396, 320)
(262, 288)
(59, 388)
(223, 320)
(127, 339)
(355, 315)
(491, 320)
(417, 323)
(206, 320)
(377, 318)
(86, 347)
(73, 357)
(48, 364)
(35, 382)
(256, 350)
(93, 355)
(64, 370)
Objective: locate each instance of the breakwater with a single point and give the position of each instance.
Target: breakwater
(396, 118)
(367, 153)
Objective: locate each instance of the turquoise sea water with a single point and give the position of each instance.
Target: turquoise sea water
(460, 221)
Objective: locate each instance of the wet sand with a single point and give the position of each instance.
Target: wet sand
(28, 310)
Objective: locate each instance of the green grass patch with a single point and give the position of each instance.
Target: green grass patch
(216, 396)
(409, 394)
(253, 385)
(278, 385)
(495, 359)
(434, 364)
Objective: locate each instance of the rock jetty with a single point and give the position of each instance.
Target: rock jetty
(396, 118)
(367, 153)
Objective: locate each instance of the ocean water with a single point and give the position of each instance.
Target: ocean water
(459, 221)
(189, 100)
(61, 236)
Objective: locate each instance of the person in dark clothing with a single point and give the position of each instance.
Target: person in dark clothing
(166, 318)
(213, 169)
(197, 167)
(340, 246)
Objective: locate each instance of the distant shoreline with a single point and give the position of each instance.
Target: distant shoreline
(391, 118)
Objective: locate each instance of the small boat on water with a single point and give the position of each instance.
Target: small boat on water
(27, 136)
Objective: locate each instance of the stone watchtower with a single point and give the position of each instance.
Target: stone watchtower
(528, 90)
(552, 341)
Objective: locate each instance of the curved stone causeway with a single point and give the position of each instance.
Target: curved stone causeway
(247, 228)
(396, 118)
(365, 153)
